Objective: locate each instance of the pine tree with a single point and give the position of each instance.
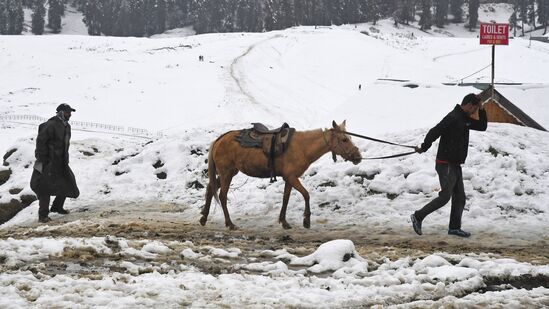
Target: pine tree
(272, 15)
(200, 13)
(150, 16)
(248, 16)
(363, 15)
(303, 13)
(137, 18)
(117, 21)
(351, 12)
(441, 12)
(543, 13)
(531, 8)
(513, 20)
(287, 14)
(15, 16)
(92, 17)
(388, 7)
(473, 14)
(38, 13)
(523, 13)
(155, 16)
(406, 10)
(115, 17)
(374, 10)
(426, 18)
(333, 11)
(3, 17)
(160, 16)
(177, 13)
(55, 12)
(320, 15)
(456, 10)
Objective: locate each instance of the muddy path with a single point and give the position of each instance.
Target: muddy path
(168, 222)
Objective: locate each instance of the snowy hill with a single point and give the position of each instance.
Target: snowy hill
(304, 76)
(148, 109)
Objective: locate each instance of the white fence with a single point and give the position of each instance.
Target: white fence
(86, 125)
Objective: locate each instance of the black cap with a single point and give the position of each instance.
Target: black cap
(65, 107)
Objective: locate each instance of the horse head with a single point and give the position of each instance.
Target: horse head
(342, 145)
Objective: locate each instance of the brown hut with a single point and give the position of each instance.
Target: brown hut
(500, 109)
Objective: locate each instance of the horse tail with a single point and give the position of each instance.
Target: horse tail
(212, 173)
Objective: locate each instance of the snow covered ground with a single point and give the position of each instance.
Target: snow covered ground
(133, 239)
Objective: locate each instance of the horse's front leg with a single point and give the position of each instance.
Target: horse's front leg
(285, 199)
(307, 213)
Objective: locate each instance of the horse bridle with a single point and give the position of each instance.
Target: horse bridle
(342, 150)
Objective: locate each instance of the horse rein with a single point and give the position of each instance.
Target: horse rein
(385, 142)
(369, 138)
(378, 140)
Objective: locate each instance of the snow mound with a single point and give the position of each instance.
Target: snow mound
(333, 255)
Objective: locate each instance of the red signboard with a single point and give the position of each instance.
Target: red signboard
(494, 34)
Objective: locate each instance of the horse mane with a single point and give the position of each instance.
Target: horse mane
(313, 130)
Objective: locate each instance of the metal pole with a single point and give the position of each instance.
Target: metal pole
(493, 68)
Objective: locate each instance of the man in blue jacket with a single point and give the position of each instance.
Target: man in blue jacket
(453, 131)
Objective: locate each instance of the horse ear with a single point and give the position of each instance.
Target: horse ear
(334, 124)
(343, 125)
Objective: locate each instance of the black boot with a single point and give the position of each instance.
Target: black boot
(44, 219)
(60, 211)
(57, 205)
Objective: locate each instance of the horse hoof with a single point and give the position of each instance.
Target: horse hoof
(203, 221)
(307, 223)
(232, 227)
(286, 226)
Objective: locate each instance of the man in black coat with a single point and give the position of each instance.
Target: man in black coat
(52, 174)
(453, 131)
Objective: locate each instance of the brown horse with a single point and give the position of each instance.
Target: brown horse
(226, 158)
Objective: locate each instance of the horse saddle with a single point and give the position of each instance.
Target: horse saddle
(273, 142)
(262, 129)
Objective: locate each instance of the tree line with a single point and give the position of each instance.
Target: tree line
(527, 12)
(148, 17)
(12, 15)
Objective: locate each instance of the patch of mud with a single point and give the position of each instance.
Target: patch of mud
(136, 222)
(527, 282)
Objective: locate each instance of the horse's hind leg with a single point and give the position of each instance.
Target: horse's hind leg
(225, 183)
(285, 199)
(307, 213)
(206, 209)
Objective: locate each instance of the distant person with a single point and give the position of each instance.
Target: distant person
(453, 131)
(359, 87)
(52, 175)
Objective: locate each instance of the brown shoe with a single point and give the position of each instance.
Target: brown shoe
(44, 219)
